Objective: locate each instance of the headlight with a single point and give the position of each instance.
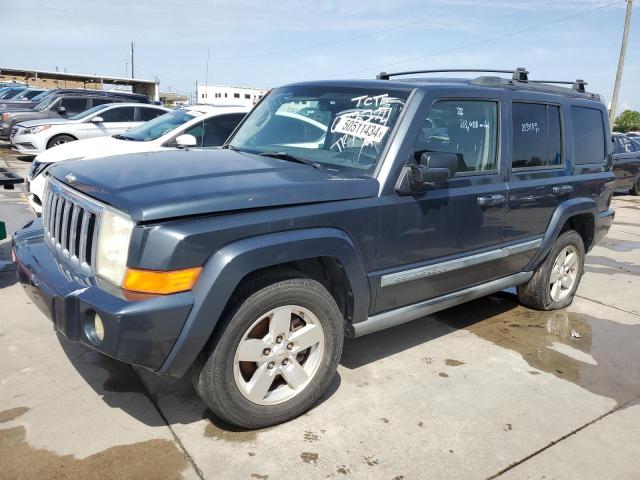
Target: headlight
(37, 168)
(31, 130)
(114, 235)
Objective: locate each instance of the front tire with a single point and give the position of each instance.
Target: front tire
(554, 283)
(60, 140)
(274, 355)
(635, 190)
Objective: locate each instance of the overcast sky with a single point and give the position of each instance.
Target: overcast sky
(268, 43)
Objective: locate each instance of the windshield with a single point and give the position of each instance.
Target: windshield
(9, 93)
(158, 126)
(23, 94)
(86, 113)
(41, 95)
(45, 102)
(342, 128)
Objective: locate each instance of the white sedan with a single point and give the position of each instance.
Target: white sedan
(35, 136)
(203, 125)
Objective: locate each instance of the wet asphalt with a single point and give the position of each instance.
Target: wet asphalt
(488, 389)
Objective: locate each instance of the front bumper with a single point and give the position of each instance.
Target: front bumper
(140, 330)
(27, 144)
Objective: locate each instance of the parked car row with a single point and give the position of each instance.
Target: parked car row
(626, 162)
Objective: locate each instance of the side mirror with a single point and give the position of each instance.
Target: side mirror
(97, 119)
(185, 141)
(434, 169)
(62, 109)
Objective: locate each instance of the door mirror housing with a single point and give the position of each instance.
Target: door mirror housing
(62, 109)
(97, 119)
(185, 140)
(434, 169)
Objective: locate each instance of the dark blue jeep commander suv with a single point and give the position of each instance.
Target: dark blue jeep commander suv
(336, 208)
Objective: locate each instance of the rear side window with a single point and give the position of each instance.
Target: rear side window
(101, 101)
(119, 114)
(537, 135)
(624, 145)
(588, 135)
(147, 114)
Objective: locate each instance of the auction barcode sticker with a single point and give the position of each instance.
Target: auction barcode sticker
(360, 129)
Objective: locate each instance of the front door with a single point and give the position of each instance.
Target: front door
(446, 239)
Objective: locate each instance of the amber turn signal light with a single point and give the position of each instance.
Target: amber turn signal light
(160, 282)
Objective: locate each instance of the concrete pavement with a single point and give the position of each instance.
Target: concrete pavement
(488, 389)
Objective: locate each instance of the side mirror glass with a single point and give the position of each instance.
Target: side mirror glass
(186, 140)
(97, 119)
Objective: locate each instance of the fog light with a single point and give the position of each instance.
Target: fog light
(99, 328)
(94, 329)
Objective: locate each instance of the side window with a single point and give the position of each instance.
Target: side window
(467, 128)
(119, 114)
(214, 131)
(625, 145)
(146, 114)
(588, 135)
(537, 137)
(73, 105)
(100, 101)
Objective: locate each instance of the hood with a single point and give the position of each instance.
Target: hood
(90, 148)
(18, 116)
(177, 183)
(50, 121)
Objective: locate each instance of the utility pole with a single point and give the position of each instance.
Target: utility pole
(623, 51)
(132, 47)
(196, 92)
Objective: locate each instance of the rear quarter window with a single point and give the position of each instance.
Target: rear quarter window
(588, 136)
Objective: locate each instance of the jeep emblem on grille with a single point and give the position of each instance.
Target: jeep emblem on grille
(70, 178)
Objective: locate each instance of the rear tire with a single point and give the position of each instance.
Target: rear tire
(273, 356)
(635, 190)
(59, 140)
(554, 283)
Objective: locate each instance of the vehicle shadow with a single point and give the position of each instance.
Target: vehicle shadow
(132, 388)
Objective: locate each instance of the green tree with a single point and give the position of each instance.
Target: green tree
(627, 121)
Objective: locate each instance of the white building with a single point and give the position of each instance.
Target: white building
(229, 95)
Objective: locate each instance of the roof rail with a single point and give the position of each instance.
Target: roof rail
(520, 74)
(577, 85)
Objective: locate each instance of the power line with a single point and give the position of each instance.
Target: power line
(483, 42)
(356, 37)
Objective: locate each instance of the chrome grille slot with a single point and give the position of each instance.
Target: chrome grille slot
(71, 221)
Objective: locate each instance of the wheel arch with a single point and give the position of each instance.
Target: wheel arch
(314, 252)
(577, 214)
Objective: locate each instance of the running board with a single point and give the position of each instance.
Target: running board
(417, 310)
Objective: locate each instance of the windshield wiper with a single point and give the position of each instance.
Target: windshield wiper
(291, 158)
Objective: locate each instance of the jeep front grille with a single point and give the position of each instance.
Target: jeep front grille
(71, 222)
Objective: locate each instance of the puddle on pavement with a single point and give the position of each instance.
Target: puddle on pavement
(158, 459)
(222, 431)
(597, 354)
(12, 414)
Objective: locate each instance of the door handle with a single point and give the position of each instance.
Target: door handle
(560, 190)
(490, 201)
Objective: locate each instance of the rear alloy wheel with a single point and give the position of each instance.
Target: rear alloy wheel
(556, 280)
(60, 140)
(274, 354)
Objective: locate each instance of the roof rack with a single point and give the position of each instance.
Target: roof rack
(578, 84)
(520, 74)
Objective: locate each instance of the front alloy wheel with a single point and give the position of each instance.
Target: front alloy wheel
(278, 355)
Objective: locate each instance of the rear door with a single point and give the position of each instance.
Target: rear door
(538, 174)
(71, 106)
